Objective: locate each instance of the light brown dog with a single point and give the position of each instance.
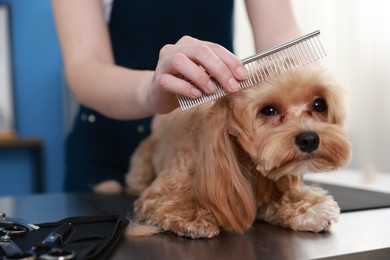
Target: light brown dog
(224, 164)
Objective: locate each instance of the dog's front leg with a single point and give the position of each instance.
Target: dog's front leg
(169, 204)
(303, 208)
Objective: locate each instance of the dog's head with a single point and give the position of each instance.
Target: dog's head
(292, 124)
(289, 125)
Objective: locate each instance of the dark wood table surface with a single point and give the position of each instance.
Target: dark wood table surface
(357, 235)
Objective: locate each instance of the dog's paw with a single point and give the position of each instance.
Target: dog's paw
(110, 187)
(317, 218)
(194, 229)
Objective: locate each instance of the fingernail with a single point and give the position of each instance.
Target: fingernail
(211, 86)
(241, 71)
(233, 84)
(196, 92)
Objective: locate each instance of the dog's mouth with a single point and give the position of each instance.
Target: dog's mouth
(314, 162)
(288, 150)
(308, 154)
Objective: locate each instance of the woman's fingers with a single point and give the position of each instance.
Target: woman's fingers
(180, 86)
(216, 65)
(186, 68)
(196, 60)
(234, 64)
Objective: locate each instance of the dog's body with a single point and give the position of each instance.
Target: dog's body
(221, 165)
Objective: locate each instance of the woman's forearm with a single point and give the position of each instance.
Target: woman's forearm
(273, 22)
(114, 91)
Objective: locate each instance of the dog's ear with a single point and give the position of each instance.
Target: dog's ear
(221, 185)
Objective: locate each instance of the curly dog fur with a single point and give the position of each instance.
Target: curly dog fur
(224, 164)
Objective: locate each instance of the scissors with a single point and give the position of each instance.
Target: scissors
(4, 221)
(46, 251)
(52, 241)
(10, 248)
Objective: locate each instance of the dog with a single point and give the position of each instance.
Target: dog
(221, 165)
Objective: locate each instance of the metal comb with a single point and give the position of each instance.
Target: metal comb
(298, 52)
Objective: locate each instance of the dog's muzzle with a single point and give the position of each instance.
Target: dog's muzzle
(307, 142)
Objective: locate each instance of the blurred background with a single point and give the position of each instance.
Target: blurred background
(355, 34)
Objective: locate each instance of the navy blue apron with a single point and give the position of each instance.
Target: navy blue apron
(99, 148)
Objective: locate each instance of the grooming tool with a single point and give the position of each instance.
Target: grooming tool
(9, 247)
(58, 236)
(49, 248)
(4, 220)
(58, 254)
(298, 52)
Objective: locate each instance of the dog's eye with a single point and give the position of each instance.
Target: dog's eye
(319, 105)
(269, 111)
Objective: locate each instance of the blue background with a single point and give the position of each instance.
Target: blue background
(37, 80)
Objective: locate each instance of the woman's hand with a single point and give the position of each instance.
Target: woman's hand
(192, 60)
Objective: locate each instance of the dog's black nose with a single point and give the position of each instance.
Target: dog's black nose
(307, 142)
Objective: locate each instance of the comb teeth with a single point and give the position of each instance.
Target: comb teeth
(295, 53)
